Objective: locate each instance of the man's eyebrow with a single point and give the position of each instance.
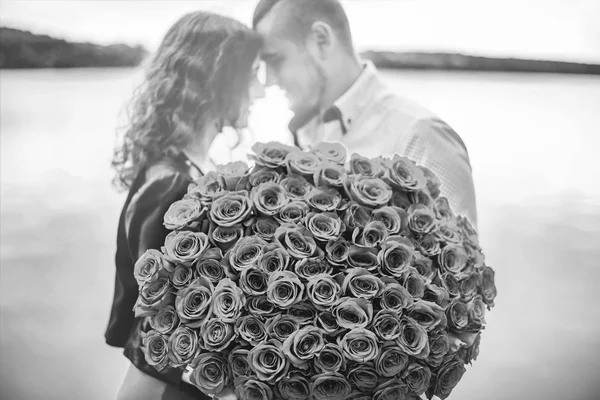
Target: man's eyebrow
(266, 55)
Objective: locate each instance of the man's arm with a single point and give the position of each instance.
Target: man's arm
(432, 143)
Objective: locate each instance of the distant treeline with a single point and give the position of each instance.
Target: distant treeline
(445, 61)
(23, 49)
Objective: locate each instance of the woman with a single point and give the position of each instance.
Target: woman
(203, 77)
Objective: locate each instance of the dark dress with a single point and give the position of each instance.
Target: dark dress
(141, 228)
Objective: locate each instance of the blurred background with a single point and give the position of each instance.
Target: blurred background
(533, 139)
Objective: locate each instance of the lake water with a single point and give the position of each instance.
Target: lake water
(533, 142)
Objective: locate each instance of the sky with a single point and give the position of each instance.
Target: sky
(566, 30)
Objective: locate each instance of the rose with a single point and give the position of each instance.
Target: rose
(302, 346)
(429, 245)
(356, 216)
(324, 199)
(325, 226)
(330, 359)
(476, 311)
(225, 237)
(363, 257)
(302, 162)
(395, 297)
(231, 209)
(329, 174)
(182, 276)
(261, 176)
(437, 295)
(209, 266)
(238, 362)
(228, 301)
(450, 283)
(281, 326)
(468, 284)
(155, 348)
(421, 197)
(328, 323)
(323, 290)
(362, 284)
(488, 287)
(259, 306)
(433, 182)
(295, 186)
(449, 233)
(417, 378)
(271, 154)
(337, 251)
(185, 247)
(293, 212)
(193, 302)
(284, 289)
(446, 379)
(359, 345)
(153, 296)
(439, 346)
(363, 377)
(428, 315)
(165, 320)
(352, 313)
(476, 258)
(235, 174)
(307, 268)
(391, 361)
(371, 235)
(370, 192)
(294, 386)
(217, 334)
(466, 228)
(395, 256)
(268, 198)
(424, 266)
(403, 173)
(414, 283)
(386, 325)
(268, 362)
(401, 199)
(253, 281)
(394, 218)
(468, 354)
(250, 329)
(330, 151)
(457, 315)
(413, 338)
(453, 258)
(298, 240)
(265, 228)
(360, 165)
(274, 258)
(304, 312)
(330, 386)
(421, 220)
(246, 253)
(210, 373)
(206, 188)
(183, 346)
(186, 213)
(393, 389)
(250, 388)
(442, 208)
(148, 266)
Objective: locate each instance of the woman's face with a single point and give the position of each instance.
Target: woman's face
(255, 91)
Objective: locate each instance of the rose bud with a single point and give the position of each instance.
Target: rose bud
(422, 198)
(437, 295)
(476, 311)
(449, 282)
(302, 346)
(394, 219)
(235, 174)
(184, 214)
(260, 176)
(359, 345)
(284, 289)
(330, 359)
(386, 325)
(413, 338)
(153, 296)
(353, 313)
(402, 200)
(330, 386)
(271, 154)
(428, 315)
(250, 329)
(294, 386)
(302, 163)
(453, 258)
(238, 361)
(274, 258)
(228, 301)
(421, 220)
(307, 268)
(371, 235)
(253, 281)
(225, 237)
(369, 192)
(182, 276)
(404, 174)
(395, 256)
(468, 354)
(325, 226)
(206, 188)
(429, 245)
(216, 334)
(324, 199)
(265, 228)
(231, 209)
(296, 187)
(260, 306)
(185, 247)
(183, 346)
(364, 166)
(328, 323)
(209, 266)
(414, 283)
(488, 287)
(392, 389)
(304, 312)
(246, 253)
(439, 346)
(433, 182)
(155, 349)
(268, 362)
(468, 283)
(457, 315)
(356, 216)
(250, 388)
(364, 377)
(417, 378)
(394, 297)
(211, 373)
(293, 212)
(362, 283)
(424, 267)
(330, 151)
(466, 228)
(447, 377)
(193, 302)
(391, 361)
(165, 320)
(323, 291)
(149, 265)
(442, 209)
(449, 233)
(363, 257)
(297, 240)
(329, 174)
(281, 326)
(337, 251)
(269, 198)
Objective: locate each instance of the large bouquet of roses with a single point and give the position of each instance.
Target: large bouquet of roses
(301, 278)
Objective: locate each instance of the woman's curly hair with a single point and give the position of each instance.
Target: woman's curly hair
(201, 72)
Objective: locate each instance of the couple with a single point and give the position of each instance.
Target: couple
(204, 77)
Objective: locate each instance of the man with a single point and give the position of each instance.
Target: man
(337, 97)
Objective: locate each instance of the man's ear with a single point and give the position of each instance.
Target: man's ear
(323, 37)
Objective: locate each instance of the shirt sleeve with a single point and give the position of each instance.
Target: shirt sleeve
(433, 144)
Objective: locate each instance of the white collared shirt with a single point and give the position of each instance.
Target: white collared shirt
(378, 122)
